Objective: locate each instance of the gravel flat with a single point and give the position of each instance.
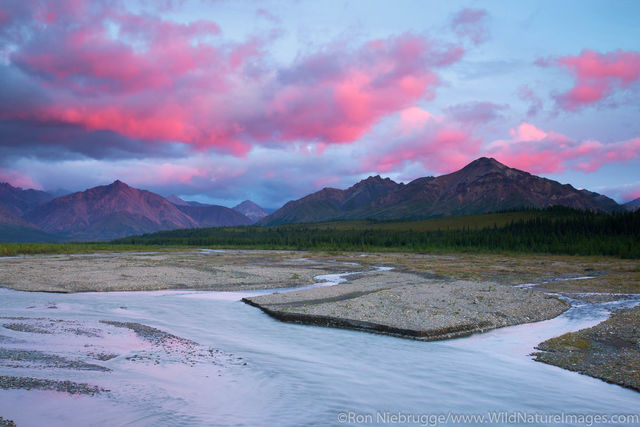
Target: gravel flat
(220, 271)
(412, 306)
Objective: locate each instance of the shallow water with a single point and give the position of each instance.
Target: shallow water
(273, 373)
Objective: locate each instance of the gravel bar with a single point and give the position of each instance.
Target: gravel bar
(609, 351)
(150, 334)
(30, 383)
(411, 306)
(18, 358)
(6, 423)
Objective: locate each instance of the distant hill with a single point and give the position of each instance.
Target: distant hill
(109, 212)
(7, 217)
(15, 229)
(191, 203)
(21, 201)
(180, 202)
(177, 200)
(210, 215)
(633, 205)
(207, 215)
(484, 185)
(215, 216)
(251, 210)
(103, 213)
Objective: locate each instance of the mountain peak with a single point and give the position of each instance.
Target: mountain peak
(7, 185)
(481, 167)
(117, 183)
(251, 210)
(245, 203)
(375, 180)
(116, 187)
(486, 162)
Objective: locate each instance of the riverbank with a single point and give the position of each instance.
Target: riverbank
(609, 351)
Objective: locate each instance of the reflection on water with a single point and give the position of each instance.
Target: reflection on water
(263, 372)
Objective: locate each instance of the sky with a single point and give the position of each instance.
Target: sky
(220, 101)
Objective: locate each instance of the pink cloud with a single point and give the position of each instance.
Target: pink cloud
(631, 195)
(413, 118)
(172, 173)
(338, 96)
(471, 23)
(18, 179)
(88, 61)
(158, 80)
(597, 76)
(184, 172)
(438, 145)
(539, 151)
(527, 132)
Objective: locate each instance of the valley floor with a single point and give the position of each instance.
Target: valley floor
(423, 296)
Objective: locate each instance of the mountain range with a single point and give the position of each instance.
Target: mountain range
(117, 210)
(102, 213)
(633, 205)
(20, 201)
(484, 185)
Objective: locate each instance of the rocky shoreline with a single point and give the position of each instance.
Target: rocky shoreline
(609, 351)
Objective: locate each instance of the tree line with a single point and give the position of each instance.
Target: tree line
(553, 230)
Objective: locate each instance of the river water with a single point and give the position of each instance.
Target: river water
(265, 372)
